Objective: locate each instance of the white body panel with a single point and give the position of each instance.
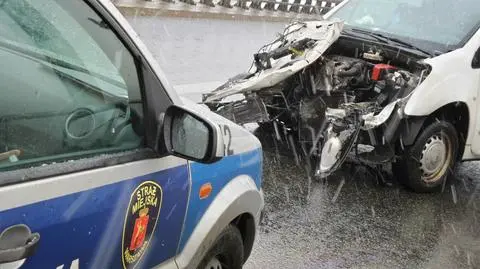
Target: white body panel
(452, 80)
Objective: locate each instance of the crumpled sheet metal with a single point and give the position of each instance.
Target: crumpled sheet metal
(325, 32)
(372, 121)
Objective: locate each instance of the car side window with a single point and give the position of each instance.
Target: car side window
(476, 59)
(70, 88)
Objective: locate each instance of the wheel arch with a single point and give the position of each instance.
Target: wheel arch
(456, 113)
(246, 225)
(238, 203)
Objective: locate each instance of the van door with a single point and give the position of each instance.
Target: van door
(476, 135)
(79, 185)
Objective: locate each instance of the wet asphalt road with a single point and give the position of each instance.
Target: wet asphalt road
(355, 223)
(363, 224)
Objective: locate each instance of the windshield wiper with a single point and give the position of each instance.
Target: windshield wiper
(390, 40)
(354, 32)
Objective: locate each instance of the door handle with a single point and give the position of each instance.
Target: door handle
(17, 243)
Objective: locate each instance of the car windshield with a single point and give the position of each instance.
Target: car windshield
(443, 22)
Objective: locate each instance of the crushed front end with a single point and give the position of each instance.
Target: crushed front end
(325, 93)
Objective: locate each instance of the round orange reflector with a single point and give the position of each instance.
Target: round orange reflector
(205, 190)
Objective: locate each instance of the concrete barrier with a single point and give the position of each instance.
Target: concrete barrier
(269, 10)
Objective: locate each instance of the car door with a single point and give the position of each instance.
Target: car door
(83, 183)
(475, 64)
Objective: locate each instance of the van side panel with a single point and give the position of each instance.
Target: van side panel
(451, 80)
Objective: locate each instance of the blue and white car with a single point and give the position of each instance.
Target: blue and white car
(102, 165)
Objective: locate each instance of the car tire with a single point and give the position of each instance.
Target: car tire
(427, 164)
(227, 251)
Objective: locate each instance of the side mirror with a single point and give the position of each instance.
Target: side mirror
(476, 60)
(191, 136)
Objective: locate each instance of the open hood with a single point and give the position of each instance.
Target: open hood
(306, 40)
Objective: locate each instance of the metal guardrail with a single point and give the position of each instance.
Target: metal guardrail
(320, 7)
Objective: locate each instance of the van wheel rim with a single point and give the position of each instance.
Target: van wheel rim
(436, 158)
(214, 263)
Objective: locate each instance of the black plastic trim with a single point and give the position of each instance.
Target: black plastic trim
(476, 60)
(155, 99)
(410, 128)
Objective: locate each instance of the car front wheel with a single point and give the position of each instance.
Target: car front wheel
(426, 165)
(227, 252)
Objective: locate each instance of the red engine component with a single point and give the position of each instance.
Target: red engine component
(380, 70)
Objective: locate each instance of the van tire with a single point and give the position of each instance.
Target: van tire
(427, 164)
(227, 249)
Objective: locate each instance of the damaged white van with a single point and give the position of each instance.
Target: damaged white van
(379, 82)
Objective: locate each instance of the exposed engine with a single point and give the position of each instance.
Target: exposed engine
(352, 93)
(323, 95)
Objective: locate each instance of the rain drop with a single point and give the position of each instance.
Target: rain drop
(454, 193)
(339, 189)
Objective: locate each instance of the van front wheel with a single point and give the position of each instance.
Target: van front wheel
(426, 165)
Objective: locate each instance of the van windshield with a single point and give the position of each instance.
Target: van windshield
(443, 22)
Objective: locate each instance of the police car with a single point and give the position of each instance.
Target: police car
(102, 165)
